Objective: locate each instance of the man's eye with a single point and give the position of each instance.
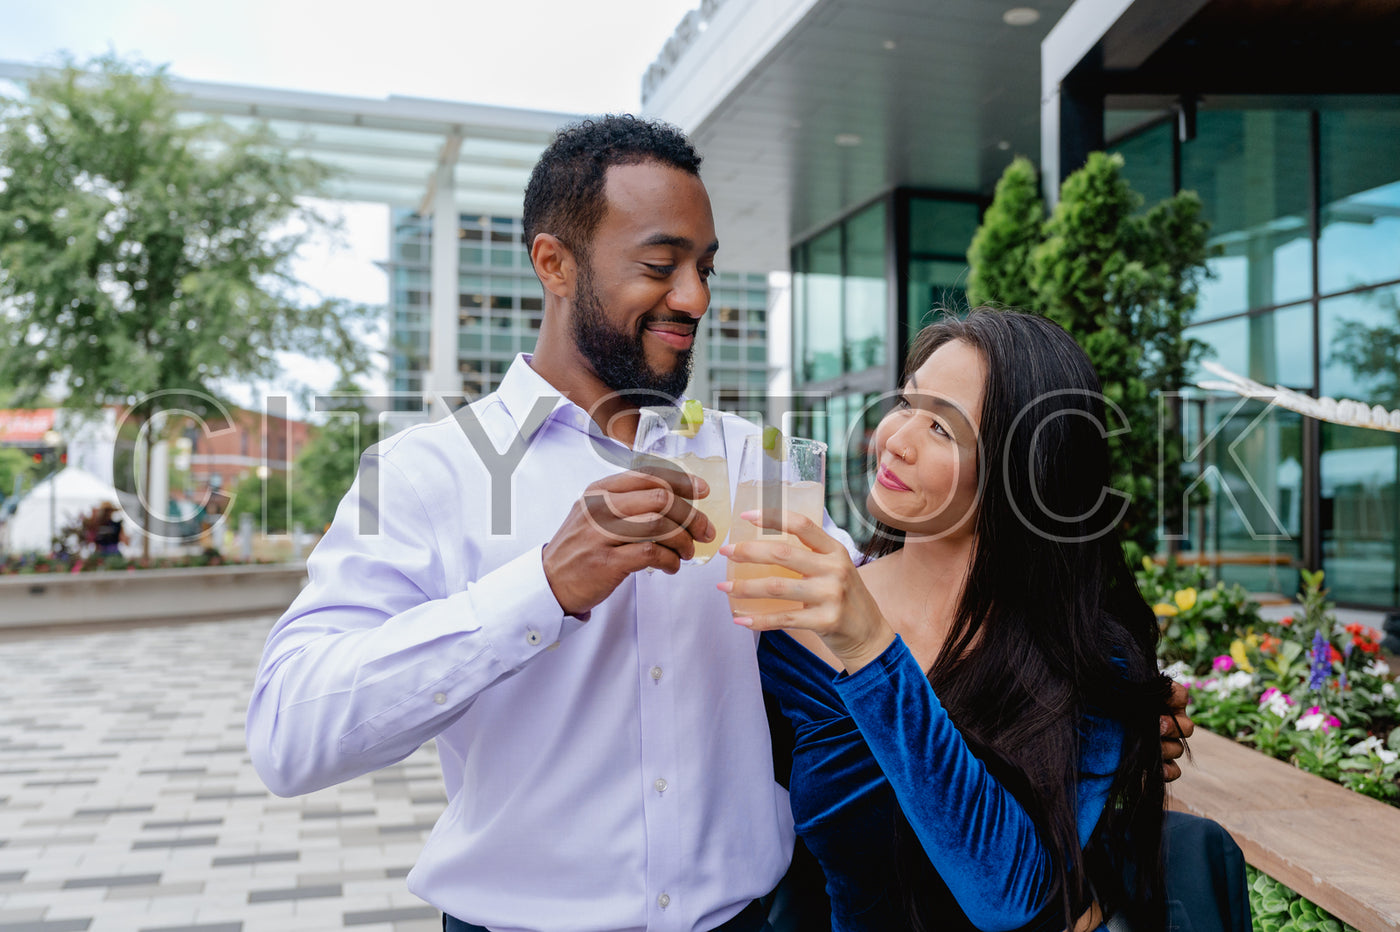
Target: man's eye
(662, 270)
(706, 273)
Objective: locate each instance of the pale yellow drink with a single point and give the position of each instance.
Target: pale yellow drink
(715, 506)
(804, 498)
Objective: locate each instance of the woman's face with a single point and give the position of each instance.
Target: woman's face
(926, 448)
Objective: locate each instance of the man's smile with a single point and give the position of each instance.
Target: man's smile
(675, 334)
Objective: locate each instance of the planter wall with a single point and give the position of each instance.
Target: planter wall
(1335, 847)
(148, 595)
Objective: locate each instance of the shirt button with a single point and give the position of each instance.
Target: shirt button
(660, 785)
(656, 673)
(534, 638)
(663, 900)
(439, 698)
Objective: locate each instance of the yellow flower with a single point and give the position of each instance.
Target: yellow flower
(1164, 610)
(1147, 563)
(1237, 653)
(1185, 599)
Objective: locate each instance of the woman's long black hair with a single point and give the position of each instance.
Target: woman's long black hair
(1050, 627)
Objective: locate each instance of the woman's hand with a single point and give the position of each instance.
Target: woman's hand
(836, 606)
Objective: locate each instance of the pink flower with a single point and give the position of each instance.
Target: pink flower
(1223, 662)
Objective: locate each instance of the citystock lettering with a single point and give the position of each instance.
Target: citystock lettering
(1250, 504)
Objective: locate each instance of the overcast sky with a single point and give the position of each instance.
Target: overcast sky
(584, 56)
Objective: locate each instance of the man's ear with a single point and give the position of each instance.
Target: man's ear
(554, 265)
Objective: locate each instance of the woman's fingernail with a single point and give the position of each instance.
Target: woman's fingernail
(725, 586)
(751, 516)
(744, 621)
(727, 550)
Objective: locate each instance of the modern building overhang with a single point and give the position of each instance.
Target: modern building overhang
(804, 109)
(1181, 55)
(384, 150)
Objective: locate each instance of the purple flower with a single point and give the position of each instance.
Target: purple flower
(1321, 661)
(1223, 662)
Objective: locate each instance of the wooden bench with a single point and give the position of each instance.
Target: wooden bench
(1230, 558)
(1337, 848)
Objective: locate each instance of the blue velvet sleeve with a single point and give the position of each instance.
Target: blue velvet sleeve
(977, 835)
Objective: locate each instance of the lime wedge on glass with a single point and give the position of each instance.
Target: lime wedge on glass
(692, 416)
(773, 442)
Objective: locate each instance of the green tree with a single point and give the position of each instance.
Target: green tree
(1124, 282)
(16, 464)
(144, 259)
(1000, 254)
(326, 466)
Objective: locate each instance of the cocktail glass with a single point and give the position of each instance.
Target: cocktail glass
(674, 436)
(776, 473)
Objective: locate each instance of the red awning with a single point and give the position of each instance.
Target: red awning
(25, 426)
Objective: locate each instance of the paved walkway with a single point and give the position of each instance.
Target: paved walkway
(128, 803)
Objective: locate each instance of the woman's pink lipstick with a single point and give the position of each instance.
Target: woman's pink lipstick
(890, 481)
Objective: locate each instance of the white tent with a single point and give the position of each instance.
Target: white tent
(68, 494)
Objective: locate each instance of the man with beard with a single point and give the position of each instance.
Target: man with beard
(601, 731)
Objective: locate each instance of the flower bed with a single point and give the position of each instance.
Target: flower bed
(39, 563)
(1304, 689)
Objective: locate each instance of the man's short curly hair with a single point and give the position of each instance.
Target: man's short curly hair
(566, 197)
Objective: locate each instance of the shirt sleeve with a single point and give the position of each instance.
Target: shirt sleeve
(977, 835)
(375, 657)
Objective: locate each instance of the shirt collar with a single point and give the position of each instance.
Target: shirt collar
(521, 386)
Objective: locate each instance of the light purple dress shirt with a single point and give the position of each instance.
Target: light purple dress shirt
(607, 774)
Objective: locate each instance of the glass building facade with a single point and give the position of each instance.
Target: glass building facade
(500, 308)
(1304, 291)
(860, 288)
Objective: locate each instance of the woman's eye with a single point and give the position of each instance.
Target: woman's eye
(938, 428)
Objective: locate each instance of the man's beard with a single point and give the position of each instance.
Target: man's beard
(619, 358)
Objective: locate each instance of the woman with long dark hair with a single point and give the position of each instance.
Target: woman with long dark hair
(976, 706)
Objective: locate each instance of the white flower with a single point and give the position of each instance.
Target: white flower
(1377, 668)
(1311, 722)
(1235, 682)
(1277, 705)
(1372, 747)
(1178, 671)
(1388, 690)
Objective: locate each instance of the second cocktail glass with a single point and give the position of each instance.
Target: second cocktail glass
(691, 438)
(776, 473)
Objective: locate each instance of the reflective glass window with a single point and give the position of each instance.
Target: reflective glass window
(934, 285)
(1274, 348)
(865, 306)
(940, 226)
(1251, 524)
(821, 310)
(1252, 172)
(1361, 346)
(1360, 513)
(1147, 162)
(1360, 243)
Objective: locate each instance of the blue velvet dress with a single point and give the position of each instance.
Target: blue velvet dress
(868, 743)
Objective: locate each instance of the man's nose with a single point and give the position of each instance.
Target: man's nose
(691, 295)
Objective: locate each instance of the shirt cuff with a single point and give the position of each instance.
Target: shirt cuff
(517, 610)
